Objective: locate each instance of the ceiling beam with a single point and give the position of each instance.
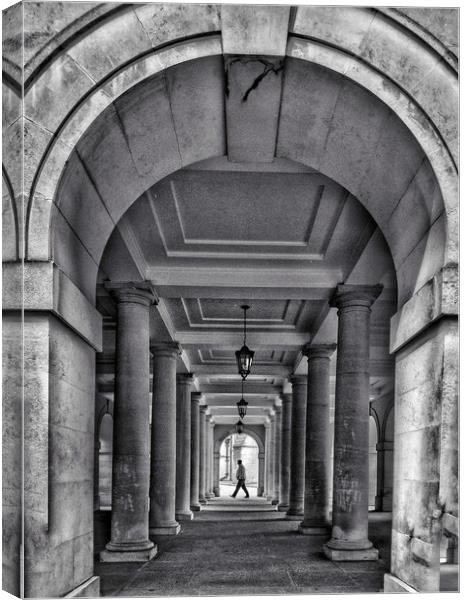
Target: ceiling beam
(310, 278)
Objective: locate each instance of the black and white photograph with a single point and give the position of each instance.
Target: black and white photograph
(230, 241)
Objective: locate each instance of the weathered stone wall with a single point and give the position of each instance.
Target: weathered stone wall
(12, 434)
(424, 427)
(59, 446)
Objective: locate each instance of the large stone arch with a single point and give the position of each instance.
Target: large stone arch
(70, 95)
(435, 235)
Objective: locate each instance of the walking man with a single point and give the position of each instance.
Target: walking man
(240, 474)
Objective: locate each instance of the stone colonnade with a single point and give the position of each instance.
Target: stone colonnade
(152, 493)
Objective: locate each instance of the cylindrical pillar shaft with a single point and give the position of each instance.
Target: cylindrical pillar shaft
(297, 479)
(277, 454)
(261, 474)
(285, 465)
(183, 446)
(216, 474)
(163, 456)
(318, 439)
(349, 539)
(202, 454)
(208, 459)
(195, 451)
(131, 467)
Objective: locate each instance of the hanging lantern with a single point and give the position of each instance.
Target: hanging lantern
(244, 356)
(242, 407)
(239, 426)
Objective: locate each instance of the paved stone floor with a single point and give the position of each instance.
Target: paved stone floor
(243, 547)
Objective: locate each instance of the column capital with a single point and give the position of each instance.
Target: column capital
(203, 408)
(355, 295)
(196, 397)
(185, 378)
(278, 410)
(298, 380)
(172, 349)
(137, 292)
(318, 350)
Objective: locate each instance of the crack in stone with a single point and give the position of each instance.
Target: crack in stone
(269, 67)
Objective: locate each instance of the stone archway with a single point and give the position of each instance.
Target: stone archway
(257, 433)
(81, 125)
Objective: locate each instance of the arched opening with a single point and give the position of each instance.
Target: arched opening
(238, 446)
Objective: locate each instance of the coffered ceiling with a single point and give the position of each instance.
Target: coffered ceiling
(278, 237)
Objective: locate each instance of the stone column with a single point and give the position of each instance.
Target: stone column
(349, 539)
(202, 454)
(261, 474)
(163, 456)
(208, 458)
(195, 450)
(297, 477)
(268, 458)
(227, 445)
(131, 465)
(183, 446)
(277, 454)
(318, 440)
(216, 473)
(285, 465)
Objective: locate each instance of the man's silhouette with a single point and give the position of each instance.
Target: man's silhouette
(240, 474)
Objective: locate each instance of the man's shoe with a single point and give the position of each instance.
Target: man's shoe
(246, 497)
(232, 495)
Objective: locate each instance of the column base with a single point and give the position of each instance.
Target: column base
(275, 501)
(283, 507)
(196, 507)
(128, 555)
(293, 517)
(202, 501)
(88, 589)
(338, 550)
(209, 495)
(173, 529)
(314, 529)
(393, 584)
(184, 516)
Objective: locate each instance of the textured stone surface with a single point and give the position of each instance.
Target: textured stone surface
(299, 411)
(183, 445)
(11, 452)
(131, 463)
(163, 441)
(318, 440)
(351, 425)
(425, 402)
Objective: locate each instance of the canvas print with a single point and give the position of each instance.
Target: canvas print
(230, 248)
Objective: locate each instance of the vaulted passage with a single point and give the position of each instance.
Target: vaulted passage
(181, 162)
